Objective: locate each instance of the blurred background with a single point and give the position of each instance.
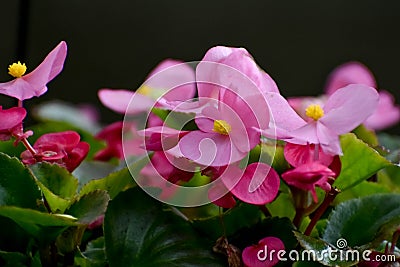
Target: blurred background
(116, 43)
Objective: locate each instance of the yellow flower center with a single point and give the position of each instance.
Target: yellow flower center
(222, 127)
(149, 91)
(17, 69)
(314, 111)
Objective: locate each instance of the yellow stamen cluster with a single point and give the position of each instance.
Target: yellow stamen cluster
(222, 127)
(314, 111)
(144, 90)
(17, 69)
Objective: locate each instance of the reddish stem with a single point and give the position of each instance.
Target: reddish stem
(329, 197)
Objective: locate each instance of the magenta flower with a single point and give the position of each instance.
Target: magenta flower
(34, 84)
(344, 110)
(10, 122)
(297, 155)
(171, 80)
(261, 255)
(309, 175)
(63, 148)
(113, 136)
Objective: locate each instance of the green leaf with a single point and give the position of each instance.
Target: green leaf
(7, 147)
(89, 207)
(366, 135)
(282, 206)
(116, 181)
(139, 233)
(43, 226)
(364, 220)
(13, 259)
(95, 254)
(92, 170)
(17, 186)
(363, 189)
(323, 252)
(390, 177)
(359, 162)
(240, 216)
(57, 184)
(391, 142)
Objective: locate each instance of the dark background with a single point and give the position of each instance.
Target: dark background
(116, 43)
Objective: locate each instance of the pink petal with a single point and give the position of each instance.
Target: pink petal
(387, 113)
(258, 185)
(328, 140)
(252, 257)
(161, 137)
(34, 83)
(284, 119)
(209, 149)
(175, 78)
(297, 155)
(66, 140)
(348, 107)
(349, 73)
(9, 118)
(119, 101)
(76, 156)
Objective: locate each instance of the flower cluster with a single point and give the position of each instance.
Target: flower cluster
(63, 148)
(210, 120)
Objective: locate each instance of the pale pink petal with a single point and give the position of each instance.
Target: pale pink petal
(303, 135)
(258, 185)
(349, 73)
(173, 77)
(328, 140)
(34, 83)
(348, 107)
(9, 118)
(285, 119)
(252, 257)
(387, 113)
(209, 149)
(122, 101)
(161, 137)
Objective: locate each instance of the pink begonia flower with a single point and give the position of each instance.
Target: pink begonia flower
(172, 80)
(344, 110)
(34, 84)
(62, 148)
(226, 133)
(218, 193)
(261, 255)
(349, 73)
(258, 184)
(227, 68)
(10, 122)
(309, 175)
(113, 136)
(161, 137)
(386, 114)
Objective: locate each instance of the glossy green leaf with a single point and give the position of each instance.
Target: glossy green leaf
(363, 189)
(95, 254)
(366, 135)
(359, 162)
(139, 233)
(364, 220)
(390, 177)
(92, 170)
(323, 252)
(282, 206)
(43, 226)
(17, 186)
(57, 184)
(89, 207)
(116, 181)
